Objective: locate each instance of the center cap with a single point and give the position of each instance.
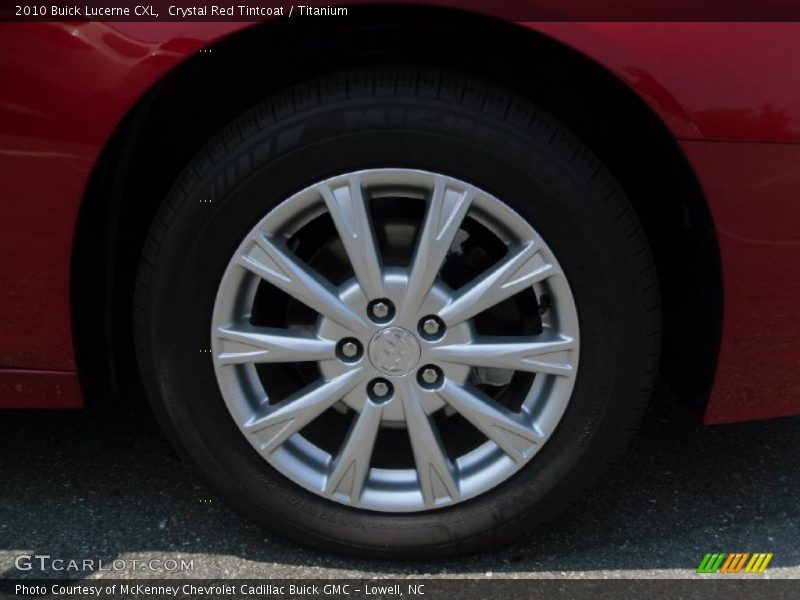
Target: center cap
(394, 351)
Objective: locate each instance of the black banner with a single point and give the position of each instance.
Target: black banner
(510, 10)
(412, 589)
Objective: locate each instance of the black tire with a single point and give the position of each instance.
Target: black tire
(416, 118)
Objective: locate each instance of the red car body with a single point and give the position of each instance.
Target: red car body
(728, 93)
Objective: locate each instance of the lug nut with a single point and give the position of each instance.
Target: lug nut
(431, 327)
(381, 310)
(349, 349)
(429, 375)
(380, 389)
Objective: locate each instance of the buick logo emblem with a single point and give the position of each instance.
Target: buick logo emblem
(394, 351)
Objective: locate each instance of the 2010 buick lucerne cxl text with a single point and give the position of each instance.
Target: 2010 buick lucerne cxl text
(401, 286)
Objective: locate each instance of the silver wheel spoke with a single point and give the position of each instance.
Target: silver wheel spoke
(435, 472)
(289, 416)
(445, 213)
(248, 344)
(528, 354)
(277, 266)
(349, 213)
(519, 270)
(514, 433)
(351, 467)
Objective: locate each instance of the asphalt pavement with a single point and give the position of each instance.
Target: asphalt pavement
(104, 485)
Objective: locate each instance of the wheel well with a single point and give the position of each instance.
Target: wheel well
(183, 111)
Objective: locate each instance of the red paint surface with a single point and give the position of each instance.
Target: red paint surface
(67, 86)
(753, 191)
(39, 389)
(719, 81)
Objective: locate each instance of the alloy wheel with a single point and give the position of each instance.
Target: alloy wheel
(395, 340)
